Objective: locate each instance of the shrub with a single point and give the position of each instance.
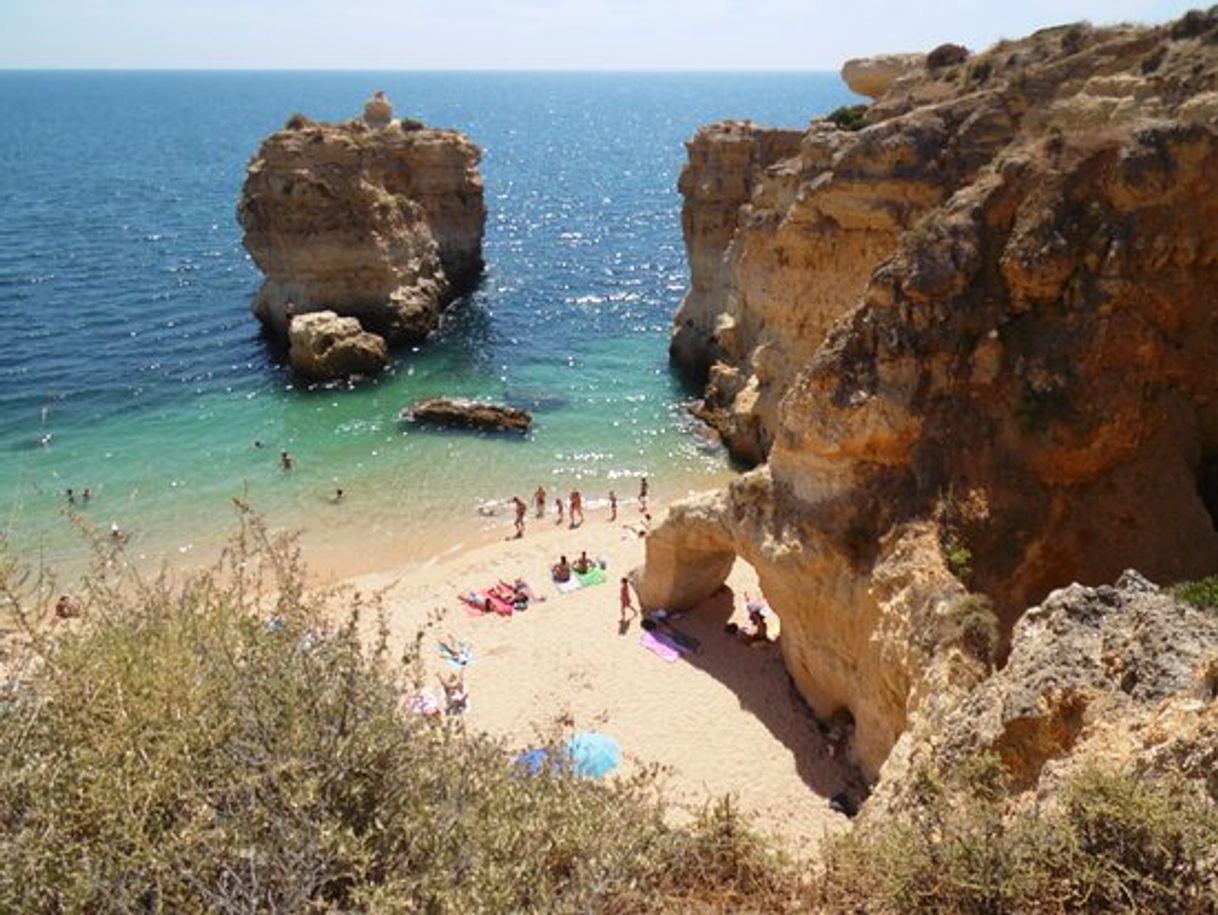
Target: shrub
(298, 121)
(849, 117)
(411, 124)
(980, 72)
(975, 626)
(1114, 842)
(946, 55)
(1201, 593)
(215, 746)
(959, 558)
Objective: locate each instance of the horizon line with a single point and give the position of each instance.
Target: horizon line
(641, 70)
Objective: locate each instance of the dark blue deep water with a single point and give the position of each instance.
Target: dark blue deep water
(132, 364)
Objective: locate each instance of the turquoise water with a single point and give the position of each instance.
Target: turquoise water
(133, 365)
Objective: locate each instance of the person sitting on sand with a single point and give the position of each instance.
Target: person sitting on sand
(583, 565)
(562, 571)
(456, 698)
(758, 619)
(539, 499)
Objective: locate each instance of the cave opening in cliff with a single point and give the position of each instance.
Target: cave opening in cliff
(1207, 486)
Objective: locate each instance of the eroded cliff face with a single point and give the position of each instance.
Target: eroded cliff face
(375, 219)
(974, 342)
(1122, 676)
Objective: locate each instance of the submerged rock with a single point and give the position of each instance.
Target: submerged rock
(326, 346)
(470, 414)
(384, 225)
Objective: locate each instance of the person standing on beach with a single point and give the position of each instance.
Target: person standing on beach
(558, 509)
(577, 508)
(539, 498)
(643, 494)
(612, 505)
(521, 508)
(626, 602)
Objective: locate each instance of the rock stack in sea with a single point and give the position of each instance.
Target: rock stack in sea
(375, 219)
(972, 342)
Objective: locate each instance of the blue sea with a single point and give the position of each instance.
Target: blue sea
(132, 364)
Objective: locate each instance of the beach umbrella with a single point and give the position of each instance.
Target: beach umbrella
(594, 755)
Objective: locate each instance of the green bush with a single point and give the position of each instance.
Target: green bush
(849, 117)
(1114, 843)
(1202, 593)
(215, 746)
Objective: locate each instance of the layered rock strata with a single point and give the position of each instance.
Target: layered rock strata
(973, 342)
(376, 219)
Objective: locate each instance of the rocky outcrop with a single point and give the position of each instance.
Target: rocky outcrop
(874, 76)
(972, 341)
(324, 346)
(1120, 678)
(365, 218)
(470, 414)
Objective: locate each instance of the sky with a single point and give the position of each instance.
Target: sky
(519, 34)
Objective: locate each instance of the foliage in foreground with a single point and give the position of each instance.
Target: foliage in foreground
(175, 753)
(1111, 843)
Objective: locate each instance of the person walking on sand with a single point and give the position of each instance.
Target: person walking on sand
(643, 494)
(612, 505)
(577, 508)
(521, 508)
(627, 603)
(539, 498)
(558, 509)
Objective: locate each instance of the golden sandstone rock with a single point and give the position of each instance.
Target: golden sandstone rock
(1000, 292)
(382, 225)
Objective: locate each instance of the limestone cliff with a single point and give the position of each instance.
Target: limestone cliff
(972, 339)
(1122, 676)
(375, 219)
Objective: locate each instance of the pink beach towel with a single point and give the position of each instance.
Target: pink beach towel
(658, 648)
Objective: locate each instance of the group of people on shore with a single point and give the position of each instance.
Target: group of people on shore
(573, 510)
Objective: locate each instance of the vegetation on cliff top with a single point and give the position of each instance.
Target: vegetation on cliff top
(1108, 842)
(215, 746)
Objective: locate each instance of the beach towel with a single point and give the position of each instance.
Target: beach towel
(684, 640)
(593, 576)
(665, 653)
(571, 584)
(461, 656)
(669, 641)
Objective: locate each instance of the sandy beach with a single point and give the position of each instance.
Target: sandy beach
(723, 720)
